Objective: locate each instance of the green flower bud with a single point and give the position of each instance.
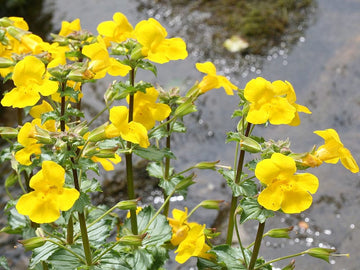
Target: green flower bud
(16, 33)
(8, 132)
(279, 232)
(106, 153)
(43, 136)
(211, 204)
(127, 205)
(185, 183)
(6, 62)
(207, 165)
(81, 129)
(250, 145)
(5, 22)
(136, 53)
(131, 240)
(321, 253)
(98, 134)
(185, 108)
(32, 243)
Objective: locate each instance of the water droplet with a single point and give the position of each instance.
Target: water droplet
(210, 133)
(269, 58)
(327, 232)
(352, 226)
(309, 240)
(285, 62)
(201, 121)
(302, 39)
(332, 261)
(307, 219)
(317, 233)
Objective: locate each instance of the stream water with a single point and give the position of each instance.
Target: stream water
(324, 68)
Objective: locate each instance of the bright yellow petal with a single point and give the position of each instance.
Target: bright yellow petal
(307, 182)
(47, 87)
(207, 67)
(23, 156)
(67, 198)
(348, 160)
(228, 86)
(38, 110)
(281, 111)
(258, 114)
(296, 201)
(20, 97)
(119, 116)
(271, 197)
(53, 173)
(117, 69)
(28, 71)
(258, 90)
(136, 133)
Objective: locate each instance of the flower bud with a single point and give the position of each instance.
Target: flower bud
(5, 22)
(43, 136)
(279, 232)
(6, 62)
(127, 205)
(136, 53)
(98, 134)
(211, 204)
(185, 183)
(81, 129)
(32, 243)
(250, 145)
(321, 253)
(106, 153)
(16, 32)
(207, 165)
(131, 240)
(290, 266)
(185, 108)
(8, 132)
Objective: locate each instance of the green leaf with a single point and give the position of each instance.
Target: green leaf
(142, 260)
(169, 185)
(230, 257)
(114, 260)
(160, 256)
(53, 115)
(246, 188)
(204, 264)
(86, 164)
(81, 202)
(4, 263)
(42, 253)
(90, 185)
(99, 232)
(147, 66)
(63, 259)
(155, 170)
(16, 222)
(153, 153)
(253, 210)
(179, 127)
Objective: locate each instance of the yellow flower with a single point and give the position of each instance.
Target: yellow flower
(107, 163)
(155, 47)
(193, 245)
(20, 23)
(69, 27)
(43, 205)
(101, 62)
(212, 80)
(26, 137)
(267, 102)
(146, 110)
(284, 189)
(30, 79)
(333, 150)
(179, 226)
(288, 89)
(117, 30)
(130, 131)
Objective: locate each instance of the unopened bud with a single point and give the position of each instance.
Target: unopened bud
(321, 253)
(8, 132)
(32, 243)
(185, 183)
(207, 165)
(250, 145)
(106, 153)
(127, 205)
(185, 108)
(280, 232)
(98, 134)
(131, 240)
(43, 136)
(6, 62)
(136, 53)
(16, 32)
(211, 204)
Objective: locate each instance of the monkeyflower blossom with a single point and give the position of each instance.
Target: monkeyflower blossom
(212, 80)
(30, 79)
(117, 30)
(333, 150)
(101, 62)
(273, 102)
(43, 205)
(69, 27)
(155, 46)
(130, 131)
(146, 110)
(179, 226)
(285, 190)
(193, 245)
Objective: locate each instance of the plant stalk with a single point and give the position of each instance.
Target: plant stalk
(167, 166)
(258, 239)
(234, 199)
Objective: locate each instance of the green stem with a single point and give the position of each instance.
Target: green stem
(70, 231)
(101, 112)
(128, 161)
(20, 116)
(280, 259)
(44, 266)
(239, 239)
(159, 211)
(62, 112)
(67, 249)
(20, 182)
(234, 199)
(102, 216)
(105, 251)
(161, 125)
(167, 166)
(258, 239)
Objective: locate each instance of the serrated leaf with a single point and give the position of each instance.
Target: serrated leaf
(90, 185)
(99, 232)
(155, 170)
(160, 256)
(81, 202)
(230, 257)
(153, 153)
(253, 210)
(42, 253)
(204, 264)
(64, 260)
(246, 188)
(114, 260)
(86, 164)
(141, 260)
(147, 66)
(16, 221)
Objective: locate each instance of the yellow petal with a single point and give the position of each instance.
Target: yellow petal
(307, 181)
(28, 71)
(37, 111)
(117, 69)
(296, 201)
(53, 173)
(207, 67)
(281, 111)
(67, 198)
(119, 116)
(136, 133)
(271, 197)
(20, 97)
